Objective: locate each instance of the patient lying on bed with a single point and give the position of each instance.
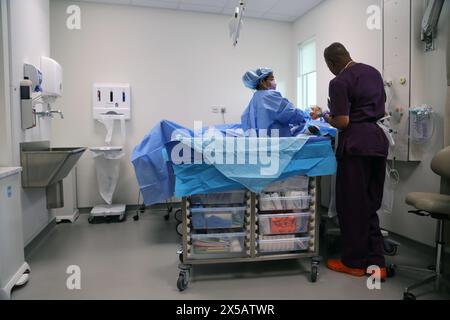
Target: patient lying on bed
(316, 113)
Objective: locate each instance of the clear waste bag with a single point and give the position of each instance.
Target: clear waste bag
(107, 167)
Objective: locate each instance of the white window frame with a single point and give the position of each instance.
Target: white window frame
(302, 84)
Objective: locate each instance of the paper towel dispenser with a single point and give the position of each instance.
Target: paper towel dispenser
(51, 78)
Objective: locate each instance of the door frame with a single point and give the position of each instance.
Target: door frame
(6, 81)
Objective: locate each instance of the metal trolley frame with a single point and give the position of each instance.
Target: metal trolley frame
(251, 247)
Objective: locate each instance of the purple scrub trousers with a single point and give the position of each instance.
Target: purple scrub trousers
(359, 192)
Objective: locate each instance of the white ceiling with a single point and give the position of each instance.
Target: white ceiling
(279, 10)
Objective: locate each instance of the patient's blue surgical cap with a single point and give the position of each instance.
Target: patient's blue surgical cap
(252, 78)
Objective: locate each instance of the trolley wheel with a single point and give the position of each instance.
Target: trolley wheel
(179, 215)
(391, 270)
(179, 229)
(122, 217)
(314, 274)
(91, 219)
(389, 248)
(182, 282)
(409, 296)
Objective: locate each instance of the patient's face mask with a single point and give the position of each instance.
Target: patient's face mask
(273, 84)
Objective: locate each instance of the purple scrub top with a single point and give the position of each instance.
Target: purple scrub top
(358, 92)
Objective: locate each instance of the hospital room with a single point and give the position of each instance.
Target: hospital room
(195, 151)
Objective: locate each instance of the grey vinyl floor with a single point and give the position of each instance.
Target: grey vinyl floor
(138, 260)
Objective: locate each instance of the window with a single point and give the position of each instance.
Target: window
(307, 75)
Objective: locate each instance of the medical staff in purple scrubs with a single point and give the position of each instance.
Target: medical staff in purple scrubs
(356, 102)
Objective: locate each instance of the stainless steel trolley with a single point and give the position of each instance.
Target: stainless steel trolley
(253, 239)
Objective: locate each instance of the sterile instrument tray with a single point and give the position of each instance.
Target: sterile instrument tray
(284, 223)
(223, 198)
(218, 244)
(218, 218)
(280, 244)
(267, 203)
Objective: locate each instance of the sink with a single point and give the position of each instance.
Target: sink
(45, 167)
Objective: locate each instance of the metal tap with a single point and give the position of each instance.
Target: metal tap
(58, 112)
(49, 113)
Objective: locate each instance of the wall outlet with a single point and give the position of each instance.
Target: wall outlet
(9, 192)
(219, 109)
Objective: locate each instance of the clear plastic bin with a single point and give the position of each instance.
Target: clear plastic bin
(270, 203)
(223, 198)
(280, 244)
(218, 244)
(300, 183)
(218, 218)
(284, 223)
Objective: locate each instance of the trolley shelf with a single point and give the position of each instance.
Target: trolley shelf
(284, 245)
(224, 198)
(218, 218)
(272, 224)
(276, 203)
(284, 228)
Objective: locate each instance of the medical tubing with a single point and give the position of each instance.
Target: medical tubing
(389, 96)
(223, 118)
(393, 174)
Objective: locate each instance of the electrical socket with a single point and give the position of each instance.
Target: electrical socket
(219, 109)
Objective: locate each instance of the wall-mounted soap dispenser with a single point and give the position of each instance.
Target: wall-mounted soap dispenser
(26, 105)
(40, 86)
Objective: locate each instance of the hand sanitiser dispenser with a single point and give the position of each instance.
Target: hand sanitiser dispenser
(111, 103)
(26, 105)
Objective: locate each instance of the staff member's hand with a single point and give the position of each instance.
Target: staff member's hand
(339, 122)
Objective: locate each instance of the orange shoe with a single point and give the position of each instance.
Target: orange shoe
(338, 266)
(383, 274)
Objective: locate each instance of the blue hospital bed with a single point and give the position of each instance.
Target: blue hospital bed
(316, 158)
(160, 178)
